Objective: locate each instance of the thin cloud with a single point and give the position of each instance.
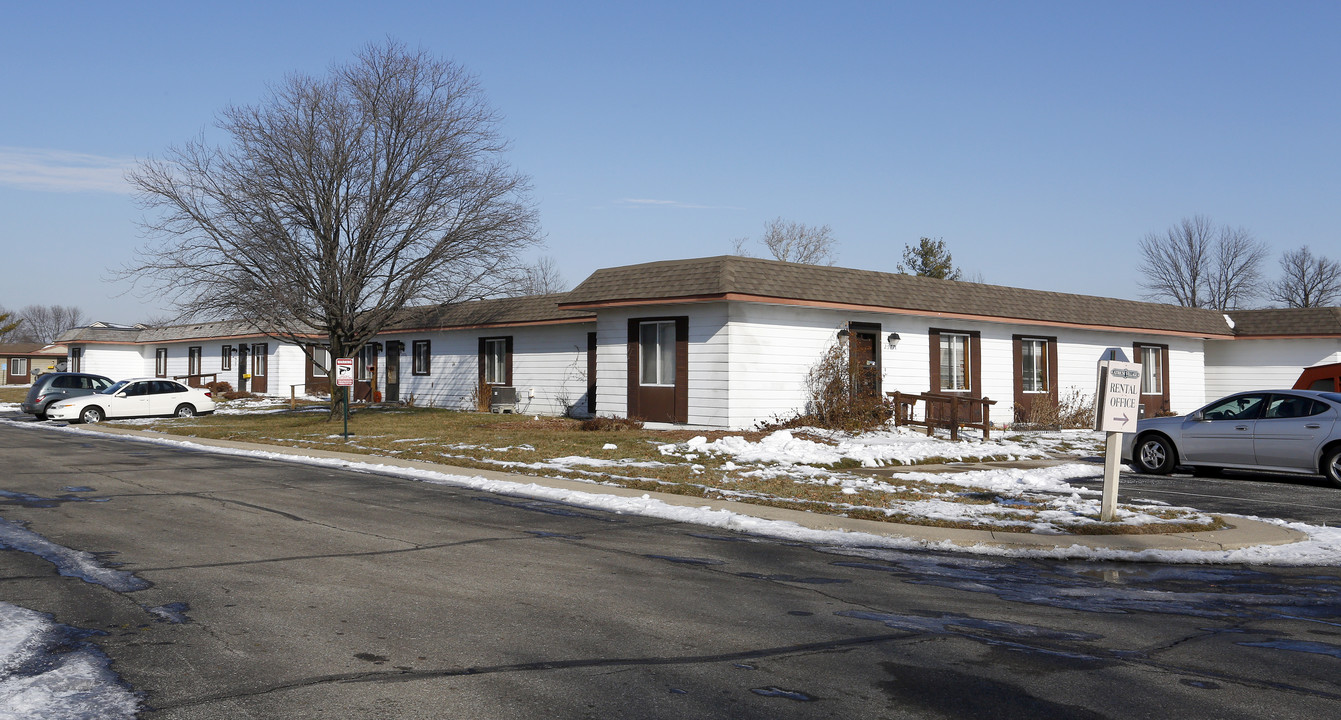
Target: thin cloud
(62, 171)
(646, 202)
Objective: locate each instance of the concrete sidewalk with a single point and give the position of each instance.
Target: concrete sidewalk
(1242, 533)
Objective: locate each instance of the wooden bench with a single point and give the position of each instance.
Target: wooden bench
(943, 410)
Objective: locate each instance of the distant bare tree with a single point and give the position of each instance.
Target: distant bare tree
(45, 323)
(1307, 280)
(339, 202)
(1196, 264)
(794, 242)
(541, 277)
(1235, 276)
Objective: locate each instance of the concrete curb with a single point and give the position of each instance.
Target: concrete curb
(1242, 533)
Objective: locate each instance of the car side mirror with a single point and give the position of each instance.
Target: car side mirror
(120, 394)
(1198, 416)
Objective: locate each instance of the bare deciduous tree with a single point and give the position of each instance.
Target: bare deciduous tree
(1307, 280)
(794, 242)
(1196, 264)
(46, 323)
(340, 201)
(541, 277)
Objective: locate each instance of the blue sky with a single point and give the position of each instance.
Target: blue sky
(1040, 140)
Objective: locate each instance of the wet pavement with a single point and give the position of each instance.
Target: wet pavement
(283, 590)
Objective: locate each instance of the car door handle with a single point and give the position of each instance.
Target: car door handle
(1241, 427)
(1313, 426)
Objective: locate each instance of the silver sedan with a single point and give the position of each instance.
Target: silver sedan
(1297, 431)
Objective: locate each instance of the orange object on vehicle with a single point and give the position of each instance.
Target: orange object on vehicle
(1320, 377)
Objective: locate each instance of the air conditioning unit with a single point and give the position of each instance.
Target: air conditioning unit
(502, 399)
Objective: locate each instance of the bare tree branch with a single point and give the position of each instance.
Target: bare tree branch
(338, 202)
(541, 277)
(793, 242)
(1196, 264)
(1307, 280)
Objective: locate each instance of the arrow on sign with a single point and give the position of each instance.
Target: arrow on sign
(1123, 419)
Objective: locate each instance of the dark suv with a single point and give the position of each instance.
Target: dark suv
(50, 387)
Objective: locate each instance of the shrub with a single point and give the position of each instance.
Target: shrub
(605, 423)
(1075, 410)
(838, 398)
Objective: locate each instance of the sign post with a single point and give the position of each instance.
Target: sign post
(1116, 406)
(344, 378)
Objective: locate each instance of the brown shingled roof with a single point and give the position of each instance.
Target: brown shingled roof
(1287, 321)
(719, 276)
(499, 311)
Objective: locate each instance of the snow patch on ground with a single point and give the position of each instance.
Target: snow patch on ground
(48, 672)
(874, 449)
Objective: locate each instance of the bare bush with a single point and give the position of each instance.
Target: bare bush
(838, 396)
(1075, 410)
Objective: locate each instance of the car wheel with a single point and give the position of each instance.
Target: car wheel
(91, 414)
(185, 411)
(1331, 465)
(1154, 455)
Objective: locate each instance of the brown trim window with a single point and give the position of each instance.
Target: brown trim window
(321, 362)
(366, 364)
(956, 361)
(76, 359)
(421, 362)
(1154, 360)
(226, 357)
(193, 360)
(1035, 376)
(18, 366)
(259, 356)
(656, 340)
(496, 360)
(161, 362)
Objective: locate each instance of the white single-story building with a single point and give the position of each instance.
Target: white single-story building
(728, 342)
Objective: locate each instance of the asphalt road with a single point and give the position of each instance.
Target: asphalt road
(317, 593)
(1298, 498)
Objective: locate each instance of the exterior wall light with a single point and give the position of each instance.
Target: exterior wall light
(893, 340)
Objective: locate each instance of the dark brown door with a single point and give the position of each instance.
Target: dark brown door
(365, 374)
(591, 374)
(864, 359)
(393, 351)
(242, 372)
(659, 369)
(260, 356)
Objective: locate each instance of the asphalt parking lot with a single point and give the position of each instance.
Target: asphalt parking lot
(1297, 498)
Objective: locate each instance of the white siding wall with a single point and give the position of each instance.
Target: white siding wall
(773, 348)
(1237, 365)
(709, 376)
(550, 360)
(115, 361)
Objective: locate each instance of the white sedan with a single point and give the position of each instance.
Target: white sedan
(136, 397)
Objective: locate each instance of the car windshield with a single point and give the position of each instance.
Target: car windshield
(114, 388)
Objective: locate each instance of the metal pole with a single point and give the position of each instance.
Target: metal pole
(1112, 459)
(346, 412)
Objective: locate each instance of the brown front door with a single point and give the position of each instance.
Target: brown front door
(260, 356)
(365, 374)
(863, 354)
(393, 351)
(659, 369)
(591, 374)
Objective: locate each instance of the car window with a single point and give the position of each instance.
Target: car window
(1293, 406)
(139, 388)
(65, 381)
(1238, 407)
(114, 388)
(101, 384)
(162, 387)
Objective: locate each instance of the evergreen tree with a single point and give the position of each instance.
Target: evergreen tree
(929, 259)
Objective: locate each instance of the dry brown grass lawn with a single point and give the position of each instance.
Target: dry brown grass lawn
(13, 394)
(525, 444)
